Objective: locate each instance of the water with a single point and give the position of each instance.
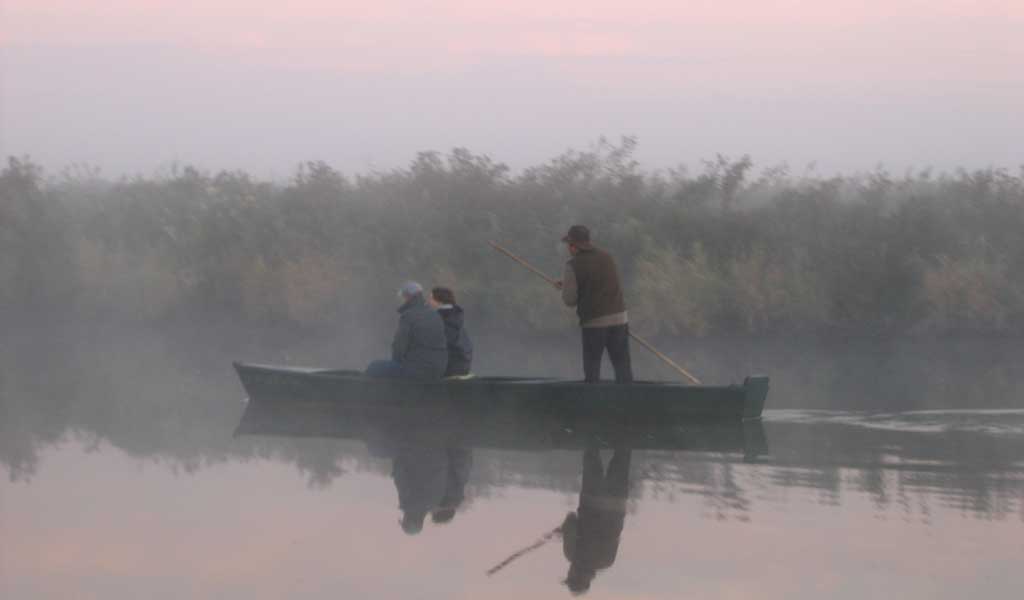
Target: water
(123, 478)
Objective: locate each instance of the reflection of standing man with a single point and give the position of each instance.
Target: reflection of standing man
(590, 536)
(591, 284)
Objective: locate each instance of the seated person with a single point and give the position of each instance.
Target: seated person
(419, 349)
(460, 347)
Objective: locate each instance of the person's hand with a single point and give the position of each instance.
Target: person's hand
(558, 285)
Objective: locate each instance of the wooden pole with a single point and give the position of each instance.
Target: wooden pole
(667, 360)
(535, 270)
(636, 337)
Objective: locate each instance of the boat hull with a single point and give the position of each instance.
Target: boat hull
(496, 396)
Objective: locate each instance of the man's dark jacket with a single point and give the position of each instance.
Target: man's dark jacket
(420, 345)
(460, 347)
(597, 282)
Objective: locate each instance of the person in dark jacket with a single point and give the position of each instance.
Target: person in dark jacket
(590, 536)
(460, 347)
(591, 284)
(419, 349)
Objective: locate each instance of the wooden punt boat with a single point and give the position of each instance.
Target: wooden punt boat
(506, 397)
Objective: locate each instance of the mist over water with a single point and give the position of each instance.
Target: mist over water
(122, 467)
(887, 312)
(828, 194)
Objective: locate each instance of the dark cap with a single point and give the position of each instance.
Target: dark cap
(579, 578)
(578, 236)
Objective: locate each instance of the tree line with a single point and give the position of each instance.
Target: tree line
(719, 250)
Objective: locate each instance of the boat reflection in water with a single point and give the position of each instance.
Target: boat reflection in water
(431, 453)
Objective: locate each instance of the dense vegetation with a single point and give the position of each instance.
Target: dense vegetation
(717, 251)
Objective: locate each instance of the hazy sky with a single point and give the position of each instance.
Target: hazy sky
(132, 85)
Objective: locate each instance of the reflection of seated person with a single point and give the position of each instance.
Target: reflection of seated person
(590, 536)
(420, 474)
(460, 460)
(429, 480)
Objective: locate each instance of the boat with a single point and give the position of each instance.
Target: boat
(505, 397)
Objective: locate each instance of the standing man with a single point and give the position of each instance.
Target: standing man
(591, 284)
(419, 349)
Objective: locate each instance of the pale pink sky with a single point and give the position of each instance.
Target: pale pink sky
(133, 84)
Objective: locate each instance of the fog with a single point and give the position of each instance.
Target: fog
(112, 437)
(830, 194)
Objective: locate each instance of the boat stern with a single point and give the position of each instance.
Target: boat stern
(755, 394)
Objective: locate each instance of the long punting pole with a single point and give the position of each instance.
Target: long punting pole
(638, 339)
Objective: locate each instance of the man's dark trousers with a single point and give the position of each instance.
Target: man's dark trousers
(616, 340)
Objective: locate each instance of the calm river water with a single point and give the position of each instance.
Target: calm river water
(880, 471)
